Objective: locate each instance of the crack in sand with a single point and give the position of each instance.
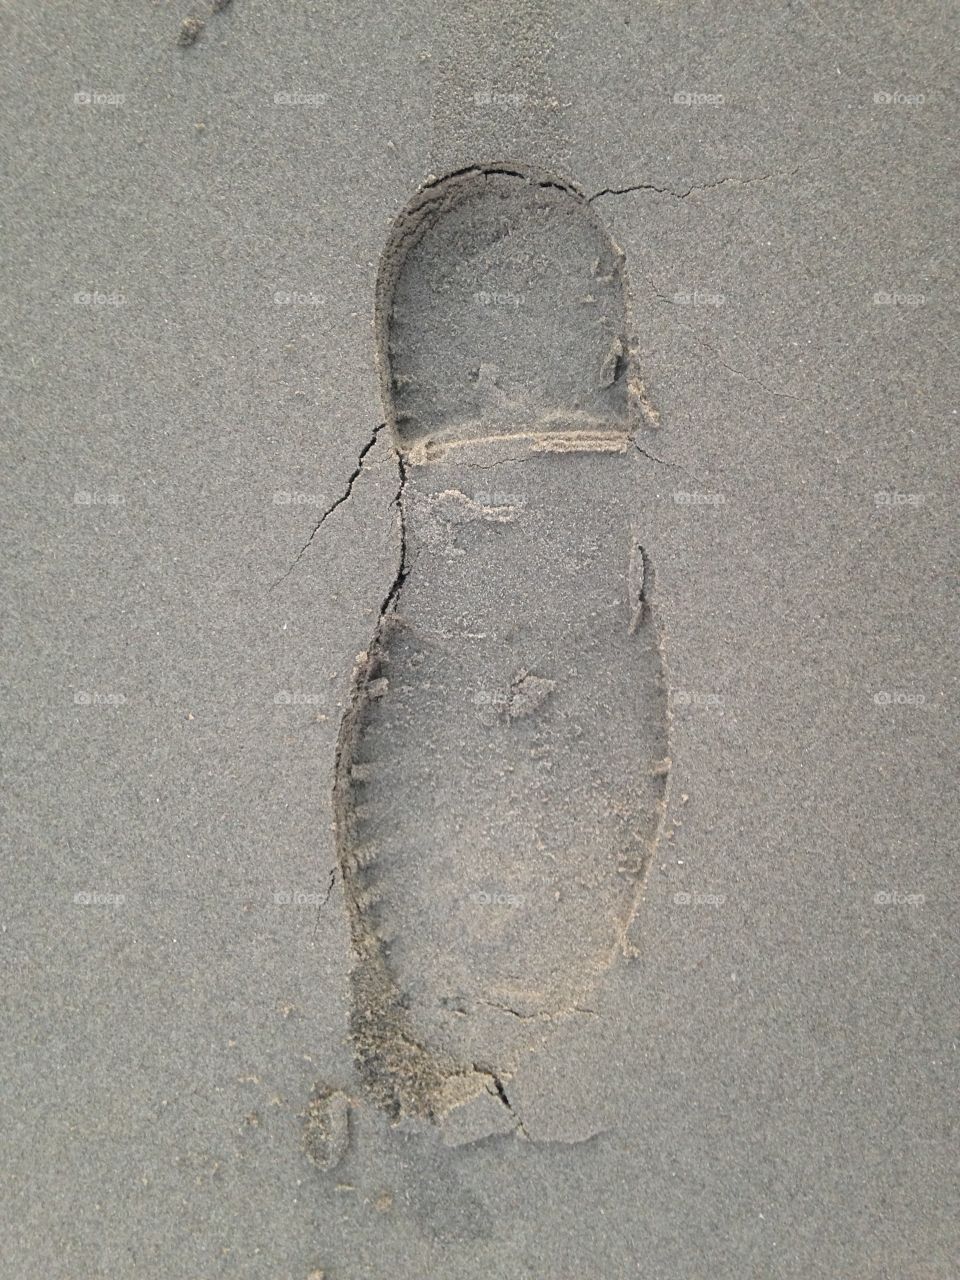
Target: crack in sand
(498, 1091)
(351, 480)
(402, 568)
(543, 1015)
(326, 897)
(492, 171)
(664, 462)
(705, 186)
(739, 373)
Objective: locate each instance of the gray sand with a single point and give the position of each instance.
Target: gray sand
(194, 230)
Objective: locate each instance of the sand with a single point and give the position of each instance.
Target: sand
(764, 1087)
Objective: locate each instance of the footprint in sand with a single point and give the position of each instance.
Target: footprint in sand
(502, 765)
